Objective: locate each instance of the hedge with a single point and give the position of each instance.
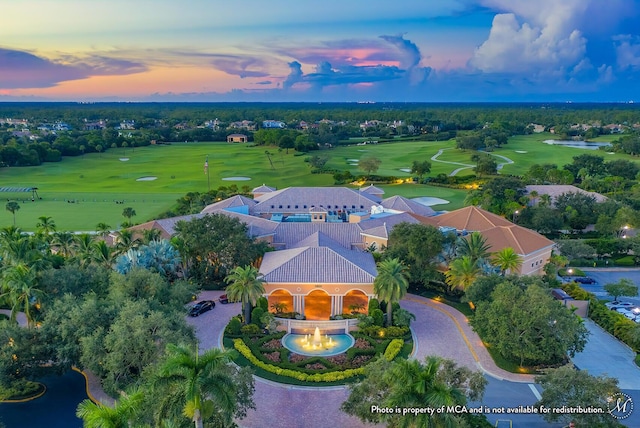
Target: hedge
(304, 377)
(393, 349)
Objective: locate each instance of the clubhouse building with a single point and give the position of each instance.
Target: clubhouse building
(321, 267)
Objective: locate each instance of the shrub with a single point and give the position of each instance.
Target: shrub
(234, 327)
(250, 330)
(373, 304)
(378, 317)
(263, 303)
(256, 315)
(393, 349)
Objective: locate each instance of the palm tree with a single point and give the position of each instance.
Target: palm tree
(545, 200)
(83, 248)
(414, 384)
(245, 286)
(474, 246)
(128, 212)
(149, 235)
(45, 226)
(462, 273)
(125, 241)
(103, 229)
(103, 254)
(507, 260)
(119, 416)
(206, 388)
(18, 284)
(391, 284)
(63, 243)
(12, 207)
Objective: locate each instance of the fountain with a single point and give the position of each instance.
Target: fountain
(316, 344)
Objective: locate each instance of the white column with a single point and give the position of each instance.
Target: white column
(335, 305)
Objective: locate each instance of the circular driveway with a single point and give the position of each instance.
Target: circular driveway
(286, 406)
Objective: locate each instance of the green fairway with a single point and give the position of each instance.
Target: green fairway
(95, 182)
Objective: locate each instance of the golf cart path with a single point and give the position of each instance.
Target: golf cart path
(464, 166)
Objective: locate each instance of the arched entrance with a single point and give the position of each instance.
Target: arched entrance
(280, 301)
(355, 301)
(317, 305)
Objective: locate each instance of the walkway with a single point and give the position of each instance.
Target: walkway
(20, 317)
(464, 166)
(442, 330)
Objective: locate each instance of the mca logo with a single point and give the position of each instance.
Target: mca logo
(620, 405)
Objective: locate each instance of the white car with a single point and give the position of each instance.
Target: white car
(628, 313)
(618, 304)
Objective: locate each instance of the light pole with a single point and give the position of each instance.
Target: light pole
(206, 171)
(515, 215)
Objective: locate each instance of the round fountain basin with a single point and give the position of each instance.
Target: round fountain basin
(332, 344)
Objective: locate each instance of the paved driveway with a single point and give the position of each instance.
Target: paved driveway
(606, 355)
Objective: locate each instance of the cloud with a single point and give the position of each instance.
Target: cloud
(295, 75)
(264, 82)
(628, 52)
(21, 69)
(516, 48)
(239, 65)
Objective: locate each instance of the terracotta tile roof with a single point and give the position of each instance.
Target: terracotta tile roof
(400, 203)
(469, 218)
(522, 240)
(318, 265)
(234, 201)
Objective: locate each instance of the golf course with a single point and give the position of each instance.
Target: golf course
(82, 191)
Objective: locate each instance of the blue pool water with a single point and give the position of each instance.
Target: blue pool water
(298, 343)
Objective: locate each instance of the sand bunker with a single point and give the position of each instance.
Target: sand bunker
(405, 169)
(150, 178)
(521, 151)
(124, 159)
(236, 179)
(353, 164)
(362, 150)
(353, 160)
(429, 201)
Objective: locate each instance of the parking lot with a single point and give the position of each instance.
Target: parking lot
(606, 276)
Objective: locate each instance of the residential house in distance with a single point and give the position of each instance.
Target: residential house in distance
(245, 124)
(555, 190)
(273, 124)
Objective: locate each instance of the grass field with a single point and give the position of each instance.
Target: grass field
(94, 182)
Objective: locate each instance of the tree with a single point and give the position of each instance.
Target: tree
(417, 246)
(45, 226)
(369, 164)
(436, 382)
(391, 284)
(83, 248)
(624, 287)
(99, 149)
(245, 285)
(286, 142)
(149, 235)
(205, 386)
(528, 325)
(475, 246)
(20, 288)
(214, 244)
(103, 229)
(507, 260)
(568, 387)
(128, 212)
(12, 207)
(63, 243)
(318, 162)
(420, 169)
(97, 415)
(462, 273)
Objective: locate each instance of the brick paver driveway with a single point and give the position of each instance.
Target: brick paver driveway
(286, 406)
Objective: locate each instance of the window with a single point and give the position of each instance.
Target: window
(304, 206)
(280, 206)
(296, 207)
(353, 207)
(288, 206)
(273, 206)
(344, 207)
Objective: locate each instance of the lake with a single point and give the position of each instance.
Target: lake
(587, 145)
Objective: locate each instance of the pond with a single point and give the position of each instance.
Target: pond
(588, 145)
(55, 409)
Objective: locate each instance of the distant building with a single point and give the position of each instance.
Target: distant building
(237, 138)
(273, 124)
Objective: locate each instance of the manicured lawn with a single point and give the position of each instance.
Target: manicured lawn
(94, 182)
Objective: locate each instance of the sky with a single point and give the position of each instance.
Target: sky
(327, 51)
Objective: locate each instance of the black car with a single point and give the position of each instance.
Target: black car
(585, 280)
(201, 307)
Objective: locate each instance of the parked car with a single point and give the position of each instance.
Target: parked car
(201, 307)
(619, 304)
(627, 313)
(585, 280)
(223, 299)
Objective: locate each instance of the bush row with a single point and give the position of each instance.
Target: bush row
(613, 322)
(304, 377)
(393, 349)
